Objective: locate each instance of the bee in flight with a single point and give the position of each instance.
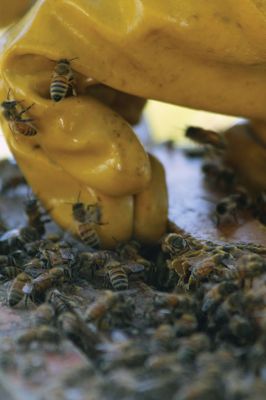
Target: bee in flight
(62, 80)
(87, 218)
(17, 124)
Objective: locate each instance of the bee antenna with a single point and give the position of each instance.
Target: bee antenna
(72, 59)
(8, 93)
(78, 196)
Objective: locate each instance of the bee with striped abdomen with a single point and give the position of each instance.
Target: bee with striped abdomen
(15, 293)
(38, 286)
(87, 218)
(13, 116)
(117, 275)
(99, 307)
(62, 80)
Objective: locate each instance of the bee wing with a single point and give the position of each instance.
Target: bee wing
(133, 268)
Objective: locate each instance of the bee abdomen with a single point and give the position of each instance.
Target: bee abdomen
(118, 279)
(59, 88)
(89, 235)
(24, 128)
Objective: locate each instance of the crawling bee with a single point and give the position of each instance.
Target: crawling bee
(229, 206)
(130, 251)
(62, 80)
(204, 136)
(34, 267)
(217, 294)
(117, 275)
(249, 267)
(38, 286)
(18, 238)
(17, 124)
(174, 244)
(10, 272)
(35, 216)
(75, 329)
(100, 307)
(42, 333)
(118, 272)
(222, 176)
(44, 314)
(177, 301)
(87, 219)
(59, 302)
(15, 293)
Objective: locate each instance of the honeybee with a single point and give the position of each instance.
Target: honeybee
(249, 267)
(35, 216)
(62, 80)
(222, 176)
(17, 124)
(10, 272)
(44, 314)
(59, 302)
(130, 252)
(75, 329)
(34, 267)
(38, 286)
(96, 260)
(18, 258)
(191, 346)
(241, 329)
(204, 136)
(164, 334)
(117, 273)
(101, 306)
(87, 219)
(185, 325)
(15, 293)
(174, 244)
(217, 294)
(18, 238)
(201, 270)
(229, 205)
(178, 301)
(41, 333)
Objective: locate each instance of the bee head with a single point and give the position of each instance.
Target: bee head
(79, 211)
(9, 104)
(62, 67)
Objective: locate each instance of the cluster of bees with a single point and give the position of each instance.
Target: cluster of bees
(222, 177)
(62, 83)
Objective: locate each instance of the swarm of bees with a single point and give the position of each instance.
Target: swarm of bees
(184, 319)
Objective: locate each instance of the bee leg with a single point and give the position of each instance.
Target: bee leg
(25, 110)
